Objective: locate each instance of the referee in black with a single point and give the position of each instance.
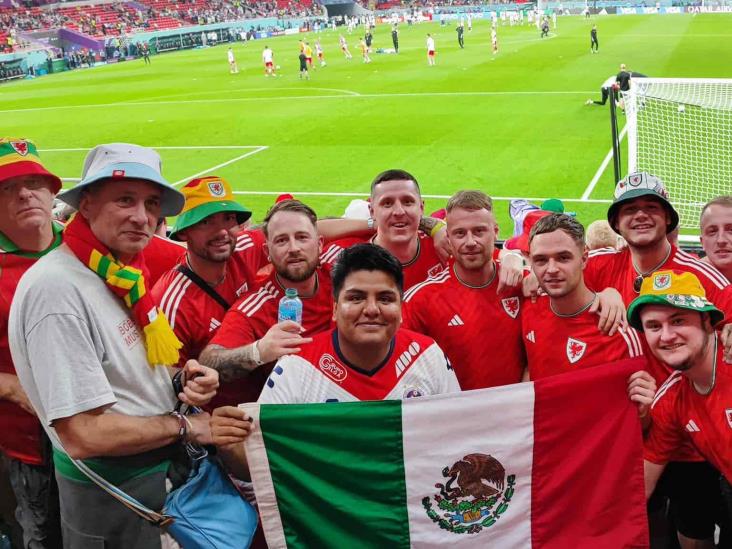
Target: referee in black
(460, 32)
(594, 44)
(395, 37)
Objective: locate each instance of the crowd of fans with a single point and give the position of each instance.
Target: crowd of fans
(93, 307)
(122, 18)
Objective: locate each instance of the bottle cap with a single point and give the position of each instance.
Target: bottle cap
(291, 292)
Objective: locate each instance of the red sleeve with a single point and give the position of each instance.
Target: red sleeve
(250, 249)
(665, 437)
(236, 330)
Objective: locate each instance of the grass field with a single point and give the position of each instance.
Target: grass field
(514, 126)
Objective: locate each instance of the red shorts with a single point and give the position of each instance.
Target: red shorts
(268, 64)
(309, 60)
(431, 53)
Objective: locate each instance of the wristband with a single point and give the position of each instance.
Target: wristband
(370, 222)
(437, 228)
(182, 424)
(256, 357)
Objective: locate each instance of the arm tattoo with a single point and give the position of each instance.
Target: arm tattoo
(426, 224)
(231, 364)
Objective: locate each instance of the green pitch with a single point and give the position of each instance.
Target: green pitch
(513, 125)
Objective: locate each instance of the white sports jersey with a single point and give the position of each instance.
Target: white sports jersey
(415, 366)
(430, 44)
(267, 55)
(231, 56)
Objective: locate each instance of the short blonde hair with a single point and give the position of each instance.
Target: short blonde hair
(470, 200)
(601, 235)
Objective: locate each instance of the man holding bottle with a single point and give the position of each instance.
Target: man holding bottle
(250, 338)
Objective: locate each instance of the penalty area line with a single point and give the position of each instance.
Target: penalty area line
(217, 166)
(601, 169)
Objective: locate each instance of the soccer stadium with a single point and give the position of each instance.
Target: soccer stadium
(162, 165)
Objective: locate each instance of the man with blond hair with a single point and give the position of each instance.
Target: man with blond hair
(716, 233)
(465, 308)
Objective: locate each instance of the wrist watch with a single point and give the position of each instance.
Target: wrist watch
(370, 223)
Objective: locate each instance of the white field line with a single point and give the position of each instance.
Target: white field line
(257, 149)
(217, 166)
(304, 97)
(443, 196)
(168, 148)
(601, 169)
(244, 90)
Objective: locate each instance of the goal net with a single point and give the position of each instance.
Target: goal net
(680, 129)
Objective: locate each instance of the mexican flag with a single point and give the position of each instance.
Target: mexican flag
(552, 464)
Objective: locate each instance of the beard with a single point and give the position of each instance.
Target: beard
(214, 257)
(299, 273)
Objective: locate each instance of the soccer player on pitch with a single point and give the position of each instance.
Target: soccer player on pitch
(594, 44)
(560, 329)
(494, 40)
(233, 68)
(430, 50)
(363, 348)
(695, 404)
(344, 47)
(268, 60)
(466, 309)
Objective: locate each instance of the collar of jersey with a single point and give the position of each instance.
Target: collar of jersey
(373, 372)
(8, 246)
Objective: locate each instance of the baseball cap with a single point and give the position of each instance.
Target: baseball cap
(357, 209)
(674, 289)
(635, 185)
(120, 161)
(19, 157)
(206, 196)
(521, 242)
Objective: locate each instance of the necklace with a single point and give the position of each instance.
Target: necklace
(490, 280)
(213, 284)
(714, 373)
(638, 282)
(576, 313)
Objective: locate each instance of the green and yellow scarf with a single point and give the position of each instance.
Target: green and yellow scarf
(128, 283)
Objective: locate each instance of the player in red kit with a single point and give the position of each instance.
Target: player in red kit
(560, 329)
(219, 266)
(695, 403)
(250, 339)
(475, 320)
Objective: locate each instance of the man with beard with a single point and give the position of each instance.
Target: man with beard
(695, 404)
(250, 339)
(560, 329)
(216, 270)
(461, 307)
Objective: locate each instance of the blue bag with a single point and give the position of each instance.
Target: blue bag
(208, 512)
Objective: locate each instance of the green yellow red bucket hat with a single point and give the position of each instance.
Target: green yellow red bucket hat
(206, 196)
(19, 157)
(673, 289)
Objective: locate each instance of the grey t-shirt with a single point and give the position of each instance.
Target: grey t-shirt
(76, 347)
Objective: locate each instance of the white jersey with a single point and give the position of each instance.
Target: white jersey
(430, 44)
(416, 366)
(494, 36)
(267, 55)
(230, 54)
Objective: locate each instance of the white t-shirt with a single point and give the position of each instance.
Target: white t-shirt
(415, 366)
(76, 347)
(230, 54)
(267, 55)
(430, 44)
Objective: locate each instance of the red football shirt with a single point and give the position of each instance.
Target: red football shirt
(478, 330)
(425, 264)
(193, 314)
(680, 414)
(249, 319)
(608, 267)
(161, 255)
(20, 432)
(556, 345)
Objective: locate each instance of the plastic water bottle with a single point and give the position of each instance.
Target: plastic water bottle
(290, 307)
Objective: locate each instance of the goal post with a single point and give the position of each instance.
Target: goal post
(680, 129)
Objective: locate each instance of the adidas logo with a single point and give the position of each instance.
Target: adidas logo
(213, 325)
(531, 336)
(692, 427)
(456, 321)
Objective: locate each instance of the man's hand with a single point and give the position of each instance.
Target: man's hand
(609, 305)
(199, 428)
(531, 287)
(200, 386)
(10, 389)
(280, 340)
(641, 390)
(511, 274)
(442, 244)
(230, 426)
(727, 342)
